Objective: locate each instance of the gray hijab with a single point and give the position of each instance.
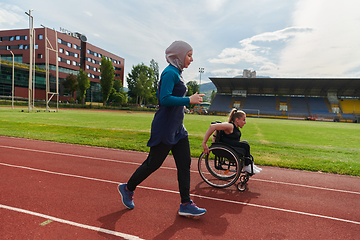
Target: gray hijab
(176, 52)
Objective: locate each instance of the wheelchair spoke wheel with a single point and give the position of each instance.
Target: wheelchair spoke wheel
(220, 168)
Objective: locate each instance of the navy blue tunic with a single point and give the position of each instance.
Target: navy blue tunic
(167, 125)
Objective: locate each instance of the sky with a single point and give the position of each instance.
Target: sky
(275, 38)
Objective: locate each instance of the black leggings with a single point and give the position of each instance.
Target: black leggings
(156, 157)
(242, 148)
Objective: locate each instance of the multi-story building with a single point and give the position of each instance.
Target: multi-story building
(74, 52)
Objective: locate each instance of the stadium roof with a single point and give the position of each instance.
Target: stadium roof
(349, 87)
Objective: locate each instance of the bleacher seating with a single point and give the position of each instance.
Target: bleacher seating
(221, 104)
(298, 106)
(318, 107)
(350, 106)
(266, 105)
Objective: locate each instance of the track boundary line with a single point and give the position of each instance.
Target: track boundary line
(169, 168)
(307, 186)
(195, 195)
(59, 220)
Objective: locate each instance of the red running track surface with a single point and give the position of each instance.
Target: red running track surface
(62, 191)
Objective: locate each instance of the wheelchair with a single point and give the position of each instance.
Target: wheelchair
(222, 166)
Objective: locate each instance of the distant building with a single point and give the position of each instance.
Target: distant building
(249, 74)
(73, 53)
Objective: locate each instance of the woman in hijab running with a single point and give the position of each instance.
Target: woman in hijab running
(168, 131)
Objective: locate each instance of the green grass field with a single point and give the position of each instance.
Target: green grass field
(306, 145)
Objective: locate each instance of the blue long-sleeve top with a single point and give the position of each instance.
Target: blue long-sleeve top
(167, 125)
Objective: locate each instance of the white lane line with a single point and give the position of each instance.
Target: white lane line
(195, 195)
(169, 168)
(55, 219)
(306, 186)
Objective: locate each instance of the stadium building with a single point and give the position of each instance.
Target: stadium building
(74, 52)
(310, 98)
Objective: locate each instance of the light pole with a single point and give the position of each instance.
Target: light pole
(31, 31)
(12, 89)
(201, 70)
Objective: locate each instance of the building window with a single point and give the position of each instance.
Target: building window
(66, 53)
(21, 46)
(40, 56)
(76, 55)
(87, 67)
(17, 37)
(12, 38)
(59, 59)
(36, 46)
(59, 40)
(40, 37)
(69, 45)
(74, 63)
(61, 50)
(68, 62)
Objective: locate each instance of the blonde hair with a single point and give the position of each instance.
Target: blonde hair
(235, 114)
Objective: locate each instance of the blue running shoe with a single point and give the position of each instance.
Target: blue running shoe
(126, 196)
(190, 209)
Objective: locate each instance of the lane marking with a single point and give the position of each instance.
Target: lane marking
(194, 195)
(46, 222)
(169, 168)
(80, 225)
(306, 186)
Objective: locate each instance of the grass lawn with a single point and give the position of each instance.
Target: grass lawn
(307, 145)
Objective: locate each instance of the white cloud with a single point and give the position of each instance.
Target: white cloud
(88, 13)
(332, 49)
(322, 42)
(11, 15)
(274, 38)
(256, 50)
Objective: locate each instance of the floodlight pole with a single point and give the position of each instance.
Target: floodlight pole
(31, 26)
(201, 70)
(12, 88)
(49, 47)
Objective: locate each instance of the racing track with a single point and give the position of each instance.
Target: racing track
(61, 191)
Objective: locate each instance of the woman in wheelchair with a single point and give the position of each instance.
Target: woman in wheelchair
(230, 134)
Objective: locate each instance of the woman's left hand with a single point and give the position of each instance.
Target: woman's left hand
(196, 98)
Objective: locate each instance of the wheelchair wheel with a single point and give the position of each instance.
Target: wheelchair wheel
(220, 168)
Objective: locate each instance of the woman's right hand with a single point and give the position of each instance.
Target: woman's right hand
(196, 98)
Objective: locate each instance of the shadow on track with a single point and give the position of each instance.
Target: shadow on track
(214, 222)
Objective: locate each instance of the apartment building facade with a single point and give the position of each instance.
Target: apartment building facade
(74, 52)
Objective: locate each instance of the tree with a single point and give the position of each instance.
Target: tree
(212, 95)
(70, 84)
(134, 77)
(155, 67)
(193, 87)
(143, 88)
(117, 85)
(83, 83)
(107, 78)
(118, 94)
